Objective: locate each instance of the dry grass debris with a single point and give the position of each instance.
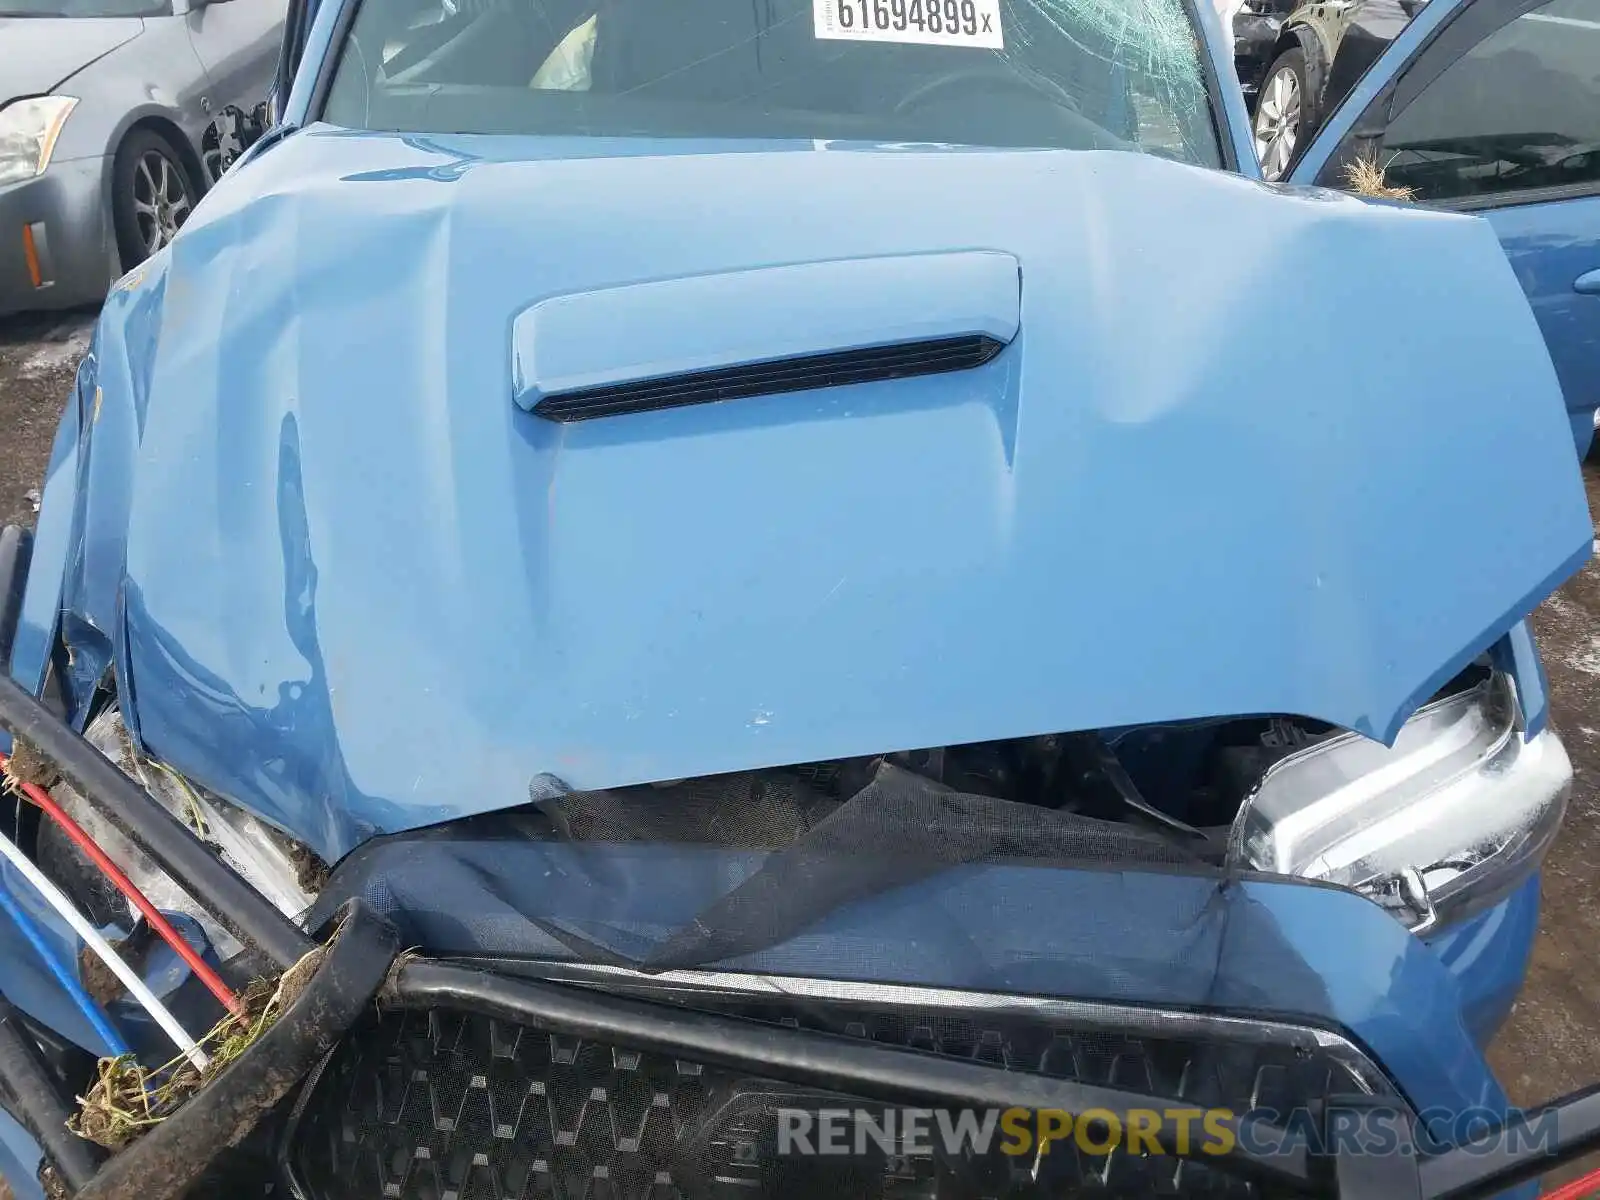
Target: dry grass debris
(126, 1099)
(1367, 177)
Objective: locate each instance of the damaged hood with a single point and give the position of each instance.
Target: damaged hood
(366, 589)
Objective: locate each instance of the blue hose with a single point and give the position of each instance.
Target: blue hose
(64, 977)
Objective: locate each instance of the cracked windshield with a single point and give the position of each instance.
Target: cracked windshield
(1071, 74)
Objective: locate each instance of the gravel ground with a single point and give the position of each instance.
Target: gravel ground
(38, 356)
(1552, 1042)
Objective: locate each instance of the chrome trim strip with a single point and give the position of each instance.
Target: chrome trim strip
(1087, 1015)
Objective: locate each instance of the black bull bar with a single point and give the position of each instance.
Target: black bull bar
(362, 963)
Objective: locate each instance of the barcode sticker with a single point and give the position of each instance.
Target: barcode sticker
(923, 22)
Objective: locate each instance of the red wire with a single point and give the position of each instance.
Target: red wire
(128, 888)
(1581, 1188)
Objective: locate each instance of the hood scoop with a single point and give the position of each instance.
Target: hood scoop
(799, 374)
(764, 331)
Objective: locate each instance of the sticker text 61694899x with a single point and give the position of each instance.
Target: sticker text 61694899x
(925, 22)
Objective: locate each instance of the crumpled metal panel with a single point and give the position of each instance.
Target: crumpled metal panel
(366, 592)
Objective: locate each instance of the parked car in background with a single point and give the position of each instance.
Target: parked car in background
(115, 117)
(1317, 53)
(1493, 108)
(1256, 26)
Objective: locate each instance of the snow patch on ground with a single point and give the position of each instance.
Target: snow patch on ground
(44, 346)
(58, 354)
(1579, 647)
(1586, 658)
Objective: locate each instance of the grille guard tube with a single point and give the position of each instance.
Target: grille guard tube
(35, 1099)
(16, 551)
(1492, 1163)
(802, 1056)
(237, 906)
(1483, 1167)
(166, 1162)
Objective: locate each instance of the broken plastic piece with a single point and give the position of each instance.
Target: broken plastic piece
(68, 981)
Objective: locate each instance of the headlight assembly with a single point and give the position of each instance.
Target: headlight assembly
(1449, 820)
(28, 132)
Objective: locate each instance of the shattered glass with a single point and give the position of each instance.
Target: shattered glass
(1156, 43)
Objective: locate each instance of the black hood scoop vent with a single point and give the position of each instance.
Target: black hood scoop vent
(762, 331)
(932, 357)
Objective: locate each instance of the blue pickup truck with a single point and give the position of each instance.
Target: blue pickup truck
(699, 599)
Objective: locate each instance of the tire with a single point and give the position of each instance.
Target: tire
(1284, 113)
(152, 195)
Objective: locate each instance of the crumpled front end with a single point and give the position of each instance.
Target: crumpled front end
(690, 989)
(595, 1008)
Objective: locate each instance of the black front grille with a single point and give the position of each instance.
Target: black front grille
(446, 1106)
(771, 378)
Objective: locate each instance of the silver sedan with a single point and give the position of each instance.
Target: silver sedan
(115, 117)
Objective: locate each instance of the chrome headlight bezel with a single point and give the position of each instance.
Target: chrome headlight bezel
(1444, 823)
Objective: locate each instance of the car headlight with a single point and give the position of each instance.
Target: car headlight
(1446, 822)
(28, 132)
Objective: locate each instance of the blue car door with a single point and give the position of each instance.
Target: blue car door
(1493, 107)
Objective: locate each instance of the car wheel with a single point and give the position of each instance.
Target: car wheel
(152, 195)
(1283, 111)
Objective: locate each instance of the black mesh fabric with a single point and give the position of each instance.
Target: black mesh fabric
(898, 828)
(903, 881)
(752, 810)
(895, 812)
